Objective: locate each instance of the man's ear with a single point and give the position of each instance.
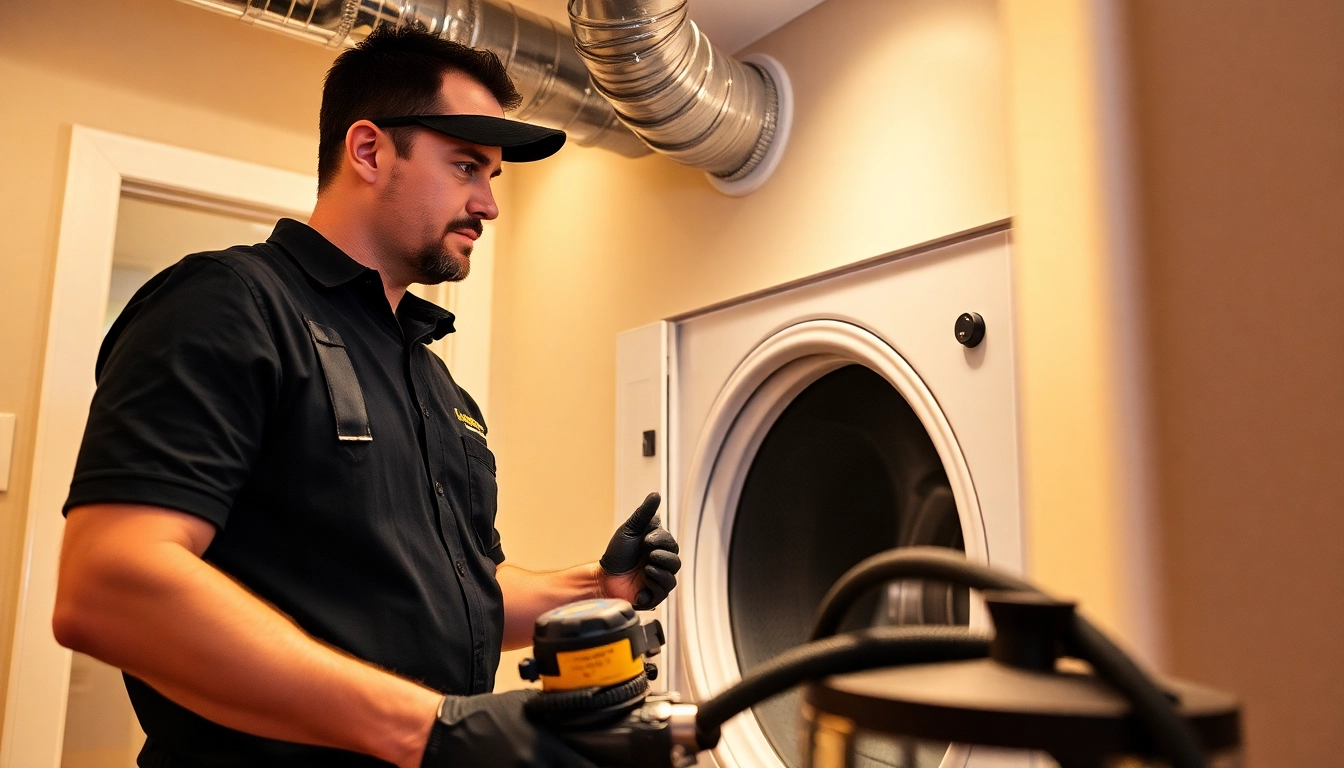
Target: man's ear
(362, 144)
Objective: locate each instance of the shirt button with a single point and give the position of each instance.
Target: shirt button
(425, 410)
(438, 488)
(461, 568)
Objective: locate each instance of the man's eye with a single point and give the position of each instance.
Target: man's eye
(468, 169)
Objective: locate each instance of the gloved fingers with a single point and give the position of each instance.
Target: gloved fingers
(649, 598)
(642, 600)
(626, 547)
(558, 754)
(642, 516)
(654, 575)
(660, 539)
(488, 730)
(655, 522)
(651, 595)
(665, 560)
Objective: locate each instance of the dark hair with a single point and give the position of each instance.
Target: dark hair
(396, 72)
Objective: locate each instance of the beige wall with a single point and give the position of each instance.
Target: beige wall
(899, 138)
(1084, 421)
(1065, 350)
(148, 68)
(1241, 131)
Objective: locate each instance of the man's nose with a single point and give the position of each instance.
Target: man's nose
(482, 204)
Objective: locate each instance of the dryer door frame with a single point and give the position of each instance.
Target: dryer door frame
(755, 395)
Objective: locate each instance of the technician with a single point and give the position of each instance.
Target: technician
(282, 520)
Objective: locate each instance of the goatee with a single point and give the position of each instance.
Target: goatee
(441, 265)
(438, 264)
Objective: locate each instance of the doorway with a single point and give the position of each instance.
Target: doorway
(153, 232)
(105, 172)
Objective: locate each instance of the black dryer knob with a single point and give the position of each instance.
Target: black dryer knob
(970, 329)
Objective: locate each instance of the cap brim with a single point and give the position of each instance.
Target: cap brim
(521, 142)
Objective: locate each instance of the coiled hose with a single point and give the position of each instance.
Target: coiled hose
(830, 654)
(1170, 733)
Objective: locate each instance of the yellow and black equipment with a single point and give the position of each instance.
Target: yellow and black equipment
(591, 658)
(591, 643)
(888, 684)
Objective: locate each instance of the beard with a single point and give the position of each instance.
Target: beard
(438, 263)
(435, 262)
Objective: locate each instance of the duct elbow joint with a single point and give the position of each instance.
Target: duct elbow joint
(776, 123)
(680, 94)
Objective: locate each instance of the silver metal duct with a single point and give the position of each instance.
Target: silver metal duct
(674, 89)
(538, 54)
(671, 89)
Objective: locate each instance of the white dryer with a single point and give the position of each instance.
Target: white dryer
(797, 431)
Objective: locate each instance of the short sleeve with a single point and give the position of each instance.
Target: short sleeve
(186, 379)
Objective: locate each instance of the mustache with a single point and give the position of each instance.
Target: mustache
(467, 222)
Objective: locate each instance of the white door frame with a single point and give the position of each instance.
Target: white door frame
(100, 164)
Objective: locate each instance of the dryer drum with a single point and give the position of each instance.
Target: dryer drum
(846, 471)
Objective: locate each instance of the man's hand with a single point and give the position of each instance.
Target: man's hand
(641, 562)
(639, 566)
(492, 730)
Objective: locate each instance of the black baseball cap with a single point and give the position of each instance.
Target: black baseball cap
(521, 142)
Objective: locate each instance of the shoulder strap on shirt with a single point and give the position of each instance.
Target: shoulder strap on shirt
(347, 399)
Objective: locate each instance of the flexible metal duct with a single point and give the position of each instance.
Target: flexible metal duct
(668, 84)
(538, 54)
(673, 88)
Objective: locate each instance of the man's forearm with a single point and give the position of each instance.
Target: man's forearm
(171, 619)
(528, 594)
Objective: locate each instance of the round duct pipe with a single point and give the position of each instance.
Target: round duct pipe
(656, 81)
(682, 95)
(538, 54)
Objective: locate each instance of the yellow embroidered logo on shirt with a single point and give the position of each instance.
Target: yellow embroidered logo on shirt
(472, 424)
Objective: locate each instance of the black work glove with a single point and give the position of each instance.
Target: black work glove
(643, 541)
(491, 731)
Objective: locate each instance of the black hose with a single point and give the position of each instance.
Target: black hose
(850, 652)
(1171, 734)
(934, 563)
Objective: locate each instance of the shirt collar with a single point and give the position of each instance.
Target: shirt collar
(423, 320)
(322, 260)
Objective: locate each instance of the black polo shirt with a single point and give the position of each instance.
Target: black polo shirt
(271, 390)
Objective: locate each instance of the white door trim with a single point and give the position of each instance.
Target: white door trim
(99, 164)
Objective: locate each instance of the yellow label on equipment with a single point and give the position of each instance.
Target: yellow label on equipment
(604, 665)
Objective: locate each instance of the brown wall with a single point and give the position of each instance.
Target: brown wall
(1240, 109)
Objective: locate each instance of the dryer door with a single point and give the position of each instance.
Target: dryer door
(845, 472)
(830, 450)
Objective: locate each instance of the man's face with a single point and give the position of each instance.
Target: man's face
(436, 199)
